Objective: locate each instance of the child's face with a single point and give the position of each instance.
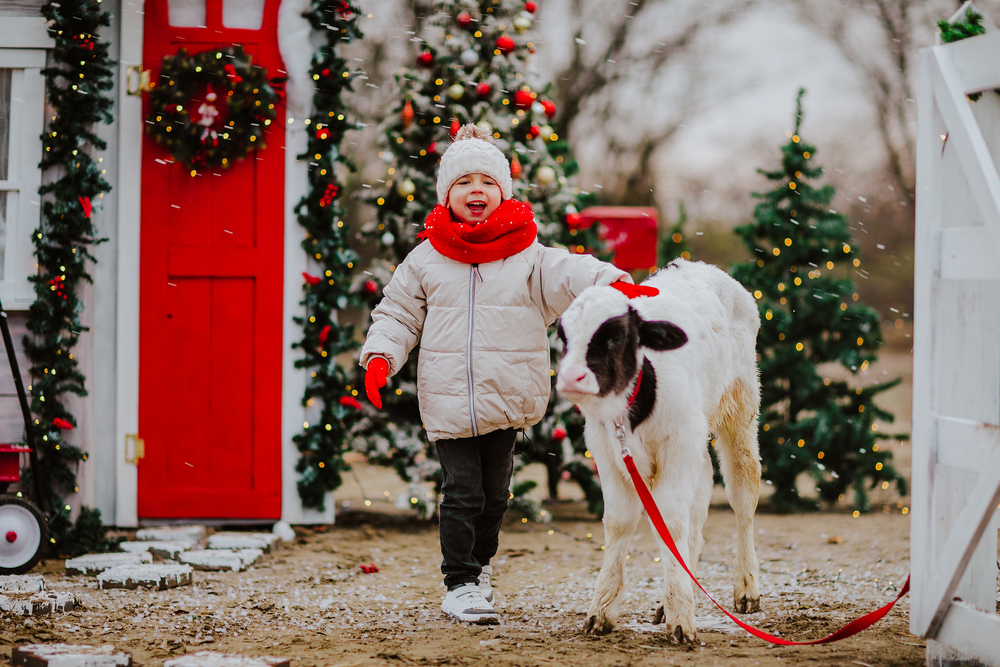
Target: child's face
(474, 197)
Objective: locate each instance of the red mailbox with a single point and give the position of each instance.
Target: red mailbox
(631, 232)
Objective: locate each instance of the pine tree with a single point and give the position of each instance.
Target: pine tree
(472, 69)
(810, 315)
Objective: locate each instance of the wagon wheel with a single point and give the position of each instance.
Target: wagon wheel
(23, 532)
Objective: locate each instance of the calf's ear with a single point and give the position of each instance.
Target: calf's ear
(661, 336)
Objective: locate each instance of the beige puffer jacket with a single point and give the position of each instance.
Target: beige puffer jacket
(484, 354)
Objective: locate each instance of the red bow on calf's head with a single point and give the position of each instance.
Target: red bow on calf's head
(632, 291)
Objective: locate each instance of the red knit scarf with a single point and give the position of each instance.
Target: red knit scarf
(507, 232)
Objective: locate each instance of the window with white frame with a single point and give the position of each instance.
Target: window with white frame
(22, 99)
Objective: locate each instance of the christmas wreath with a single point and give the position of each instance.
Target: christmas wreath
(211, 108)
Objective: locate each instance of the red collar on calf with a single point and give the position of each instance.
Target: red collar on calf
(635, 392)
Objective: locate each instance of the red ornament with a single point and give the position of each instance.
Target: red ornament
(312, 280)
(370, 287)
(323, 134)
(425, 59)
(433, 148)
(324, 333)
(534, 131)
(515, 168)
(58, 286)
(62, 424)
(344, 10)
(523, 99)
(558, 433)
(483, 89)
(463, 19)
(550, 108)
(573, 220)
(87, 207)
(505, 44)
(530, 7)
(325, 72)
(329, 194)
(407, 114)
(455, 127)
(231, 73)
(350, 402)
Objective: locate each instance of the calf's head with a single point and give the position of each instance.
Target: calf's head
(602, 336)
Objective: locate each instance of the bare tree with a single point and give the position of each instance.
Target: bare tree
(880, 40)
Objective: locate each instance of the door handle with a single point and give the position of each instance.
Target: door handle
(138, 448)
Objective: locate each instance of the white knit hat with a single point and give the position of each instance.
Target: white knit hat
(473, 152)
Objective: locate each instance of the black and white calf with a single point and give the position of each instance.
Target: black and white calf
(695, 346)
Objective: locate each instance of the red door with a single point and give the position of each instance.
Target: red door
(210, 320)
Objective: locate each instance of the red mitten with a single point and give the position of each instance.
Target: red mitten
(632, 291)
(375, 377)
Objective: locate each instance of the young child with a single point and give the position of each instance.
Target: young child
(479, 296)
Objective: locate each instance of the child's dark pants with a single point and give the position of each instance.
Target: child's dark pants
(476, 488)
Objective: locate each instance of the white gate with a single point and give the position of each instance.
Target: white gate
(956, 362)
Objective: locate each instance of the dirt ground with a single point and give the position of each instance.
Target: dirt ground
(311, 601)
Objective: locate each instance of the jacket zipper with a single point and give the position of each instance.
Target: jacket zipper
(473, 273)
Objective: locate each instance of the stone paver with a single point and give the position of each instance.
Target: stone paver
(69, 655)
(232, 540)
(160, 576)
(194, 533)
(22, 583)
(165, 550)
(236, 560)
(216, 659)
(96, 563)
(38, 603)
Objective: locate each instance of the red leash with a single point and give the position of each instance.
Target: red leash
(848, 630)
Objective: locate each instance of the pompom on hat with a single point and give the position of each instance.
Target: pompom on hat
(473, 152)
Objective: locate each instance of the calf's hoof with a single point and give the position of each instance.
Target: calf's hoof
(747, 605)
(677, 635)
(598, 624)
(659, 616)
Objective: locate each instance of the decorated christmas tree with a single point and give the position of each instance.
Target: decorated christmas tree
(472, 68)
(811, 422)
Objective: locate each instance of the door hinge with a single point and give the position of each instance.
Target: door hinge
(138, 448)
(136, 80)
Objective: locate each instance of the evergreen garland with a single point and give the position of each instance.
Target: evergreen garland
(810, 316)
(77, 86)
(322, 442)
(959, 30)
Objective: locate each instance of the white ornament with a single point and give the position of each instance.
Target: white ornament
(522, 23)
(485, 125)
(456, 91)
(545, 131)
(546, 175)
(537, 108)
(469, 58)
(406, 188)
(388, 238)
(571, 209)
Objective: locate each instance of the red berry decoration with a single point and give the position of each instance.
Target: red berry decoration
(62, 424)
(350, 402)
(312, 280)
(530, 7)
(483, 89)
(323, 134)
(328, 195)
(433, 148)
(58, 285)
(325, 72)
(558, 433)
(425, 59)
(370, 287)
(87, 207)
(505, 44)
(463, 19)
(523, 99)
(324, 333)
(455, 127)
(550, 108)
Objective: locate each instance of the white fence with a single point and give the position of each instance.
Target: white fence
(956, 363)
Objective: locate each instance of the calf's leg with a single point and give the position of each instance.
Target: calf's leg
(622, 510)
(682, 493)
(739, 460)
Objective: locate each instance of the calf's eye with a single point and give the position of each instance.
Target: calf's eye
(616, 340)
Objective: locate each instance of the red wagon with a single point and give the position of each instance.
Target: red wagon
(23, 528)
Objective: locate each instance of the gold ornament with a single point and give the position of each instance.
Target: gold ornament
(522, 23)
(456, 91)
(406, 188)
(546, 175)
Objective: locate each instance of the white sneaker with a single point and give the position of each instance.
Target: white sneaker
(466, 603)
(484, 583)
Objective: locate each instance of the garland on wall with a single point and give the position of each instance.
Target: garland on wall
(77, 88)
(322, 441)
